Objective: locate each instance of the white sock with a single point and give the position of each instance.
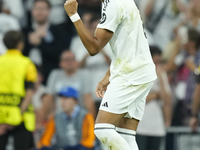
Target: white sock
(109, 137)
(129, 136)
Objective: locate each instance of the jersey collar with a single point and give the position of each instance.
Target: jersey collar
(13, 52)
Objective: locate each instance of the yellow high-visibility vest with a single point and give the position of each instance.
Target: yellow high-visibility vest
(15, 71)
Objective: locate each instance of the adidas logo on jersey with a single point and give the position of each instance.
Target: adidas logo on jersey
(105, 104)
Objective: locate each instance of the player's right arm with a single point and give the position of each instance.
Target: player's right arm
(93, 43)
(111, 18)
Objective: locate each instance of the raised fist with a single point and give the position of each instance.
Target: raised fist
(71, 7)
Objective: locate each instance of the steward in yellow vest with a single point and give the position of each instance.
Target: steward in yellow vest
(17, 77)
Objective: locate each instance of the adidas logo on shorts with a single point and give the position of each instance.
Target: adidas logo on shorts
(105, 104)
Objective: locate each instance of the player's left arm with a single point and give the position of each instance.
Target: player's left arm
(93, 43)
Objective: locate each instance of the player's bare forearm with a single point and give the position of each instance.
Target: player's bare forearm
(102, 86)
(107, 76)
(93, 43)
(90, 42)
(108, 72)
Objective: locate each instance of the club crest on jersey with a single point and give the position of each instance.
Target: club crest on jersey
(103, 18)
(105, 4)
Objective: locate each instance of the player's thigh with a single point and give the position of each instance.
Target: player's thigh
(107, 117)
(128, 123)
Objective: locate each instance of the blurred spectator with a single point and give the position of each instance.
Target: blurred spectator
(159, 15)
(72, 128)
(92, 5)
(7, 23)
(152, 129)
(57, 15)
(184, 59)
(14, 8)
(152, 12)
(39, 93)
(191, 18)
(44, 41)
(194, 121)
(98, 64)
(194, 15)
(68, 75)
(17, 77)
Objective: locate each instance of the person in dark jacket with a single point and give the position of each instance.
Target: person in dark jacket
(44, 41)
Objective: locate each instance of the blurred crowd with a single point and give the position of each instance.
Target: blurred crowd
(64, 100)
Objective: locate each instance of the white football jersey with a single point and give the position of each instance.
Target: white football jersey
(131, 58)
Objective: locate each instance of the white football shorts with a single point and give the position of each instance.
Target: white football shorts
(122, 97)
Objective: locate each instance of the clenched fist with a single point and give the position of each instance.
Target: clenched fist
(71, 7)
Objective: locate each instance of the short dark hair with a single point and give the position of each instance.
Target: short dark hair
(46, 1)
(194, 36)
(155, 50)
(12, 39)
